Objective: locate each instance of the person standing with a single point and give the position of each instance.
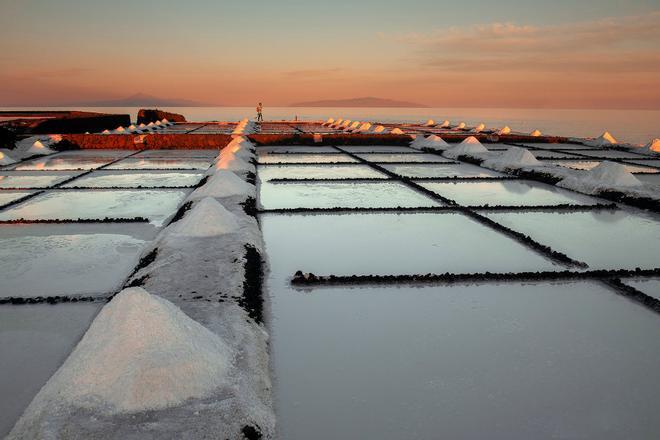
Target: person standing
(260, 108)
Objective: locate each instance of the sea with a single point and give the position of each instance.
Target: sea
(630, 126)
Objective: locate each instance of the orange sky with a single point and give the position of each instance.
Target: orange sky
(571, 57)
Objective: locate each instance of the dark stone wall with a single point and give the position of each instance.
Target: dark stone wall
(152, 115)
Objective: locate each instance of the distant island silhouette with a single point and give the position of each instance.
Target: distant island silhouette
(358, 102)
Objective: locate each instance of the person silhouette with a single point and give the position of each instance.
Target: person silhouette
(260, 108)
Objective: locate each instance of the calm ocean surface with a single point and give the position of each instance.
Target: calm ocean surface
(634, 126)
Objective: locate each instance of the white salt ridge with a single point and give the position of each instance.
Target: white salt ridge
(5, 159)
(504, 130)
(606, 176)
(433, 142)
(470, 146)
(207, 218)
(39, 148)
(223, 184)
(396, 130)
(535, 133)
(513, 158)
(140, 353)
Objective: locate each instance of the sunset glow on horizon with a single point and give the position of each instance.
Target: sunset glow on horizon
(594, 54)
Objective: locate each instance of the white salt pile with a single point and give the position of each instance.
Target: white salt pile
(106, 131)
(140, 353)
(606, 176)
(345, 123)
(445, 124)
(504, 130)
(142, 126)
(430, 123)
(5, 159)
(337, 123)
(396, 130)
(432, 142)
(480, 127)
(461, 126)
(604, 140)
(535, 133)
(469, 147)
(353, 126)
(652, 147)
(39, 148)
(230, 161)
(328, 122)
(207, 218)
(120, 130)
(166, 122)
(514, 157)
(221, 184)
(380, 130)
(132, 128)
(365, 128)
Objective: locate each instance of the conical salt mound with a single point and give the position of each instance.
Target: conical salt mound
(504, 130)
(166, 122)
(140, 353)
(605, 139)
(396, 130)
(329, 121)
(223, 184)
(381, 130)
(430, 123)
(230, 162)
(652, 147)
(132, 128)
(535, 133)
(5, 159)
(613, 174)
(207, 218)
(445, 124)
(469, 146)
(519, 156)
(39, 148)
(461, 126)
(365, 127)
(432, 142)
(479, 127)
(120, 130)
(106, 131)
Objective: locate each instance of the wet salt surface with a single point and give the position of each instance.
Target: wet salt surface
(40, 179)
(614, 154)
(155, 205)
(650, 163)
(389, 157)
(602, 239)
(51, 260)
(154, 163)
(137, 179)
(10, 196)
(65, 162)
(442, 170)
(304, 158)
(358, 244)
(650, 286)
(464, 361)
(510, 192)
(547, 146)
(296, 149)
(34, 341)
(345, 195)
(319, 172)
(358, 149)
(540, 154)
(650, 179)
(588, 165)
(210, 154)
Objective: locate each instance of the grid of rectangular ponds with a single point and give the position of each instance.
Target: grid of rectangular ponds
(72, 228)
(452, 301)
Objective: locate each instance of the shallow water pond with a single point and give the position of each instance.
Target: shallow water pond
(155, 163)
(359, 149)
(392, 244)
(28, 179)
(155, 205)
(507, 192)
(614, 154)
(389, 157)
(591, 164)
(304, 158)
(556, 146)
(650, 286)
(50, 260)
(492, 361)
(100, 179)
(602, 239)
(442, 170)
(10, 196)
(319, 172)
(296, 149)
(64, 162)
(34, 341)
(340, 194)
(208, 154)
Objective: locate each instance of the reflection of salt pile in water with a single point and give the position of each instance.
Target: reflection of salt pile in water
(396, 130)
(535, 133)
(606, 176)
(6, 159)
(469, 146)
(604, 140)
(38, 148)
(140, 353)
(222, 184)
(514, 157)
(207, 218)
(432, 142)
(504, 130)
(430, 123)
